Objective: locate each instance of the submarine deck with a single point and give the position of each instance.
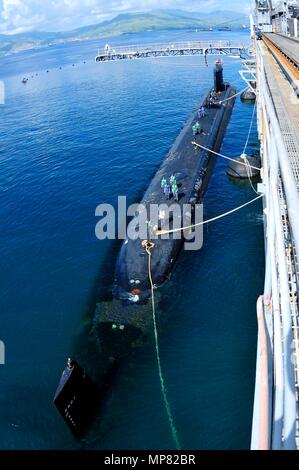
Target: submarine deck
(184, 159)
(192, 167)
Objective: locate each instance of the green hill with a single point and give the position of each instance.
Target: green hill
(157, 20)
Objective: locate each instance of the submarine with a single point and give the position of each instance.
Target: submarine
(123, 322)
(192, 167)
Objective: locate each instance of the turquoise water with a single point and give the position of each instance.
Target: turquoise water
(70, 140)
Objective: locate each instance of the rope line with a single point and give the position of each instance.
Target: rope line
(149, 246)
(233, 96)
(165, 232)
(224, 156)
(249, 173)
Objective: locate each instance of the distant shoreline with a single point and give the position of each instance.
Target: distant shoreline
(111, 35)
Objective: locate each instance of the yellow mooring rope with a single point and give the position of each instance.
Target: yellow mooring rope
(148, 247)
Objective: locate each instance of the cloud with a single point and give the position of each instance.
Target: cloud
(58, 15)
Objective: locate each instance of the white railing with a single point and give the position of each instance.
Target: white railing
(161, 47)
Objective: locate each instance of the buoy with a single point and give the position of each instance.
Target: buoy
(248, 96)
(77, 397)
(237, 169)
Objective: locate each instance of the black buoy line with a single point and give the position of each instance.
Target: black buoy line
(217, 217)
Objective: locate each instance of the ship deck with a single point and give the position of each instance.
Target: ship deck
(276, 413)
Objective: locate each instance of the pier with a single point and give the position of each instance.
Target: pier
(276, 404)
(111, 53)
(191, 166)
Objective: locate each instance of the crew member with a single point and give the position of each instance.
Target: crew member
(172, 180)
(196, 128)
(163, 183)
(175, 191)
(167, 190)
(201, 112)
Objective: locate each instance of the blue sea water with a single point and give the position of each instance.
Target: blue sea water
(71, 139)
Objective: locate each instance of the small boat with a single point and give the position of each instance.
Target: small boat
(25, 80)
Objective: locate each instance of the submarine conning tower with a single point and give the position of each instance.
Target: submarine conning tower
(219, 84)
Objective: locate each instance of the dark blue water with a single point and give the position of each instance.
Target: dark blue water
(71, 139)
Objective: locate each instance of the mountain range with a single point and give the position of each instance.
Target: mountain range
(156, 20)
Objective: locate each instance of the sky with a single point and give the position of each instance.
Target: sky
(18, 16)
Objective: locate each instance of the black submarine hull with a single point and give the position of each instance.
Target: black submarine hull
(193, 168)
(120, 324)
(76, 398)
